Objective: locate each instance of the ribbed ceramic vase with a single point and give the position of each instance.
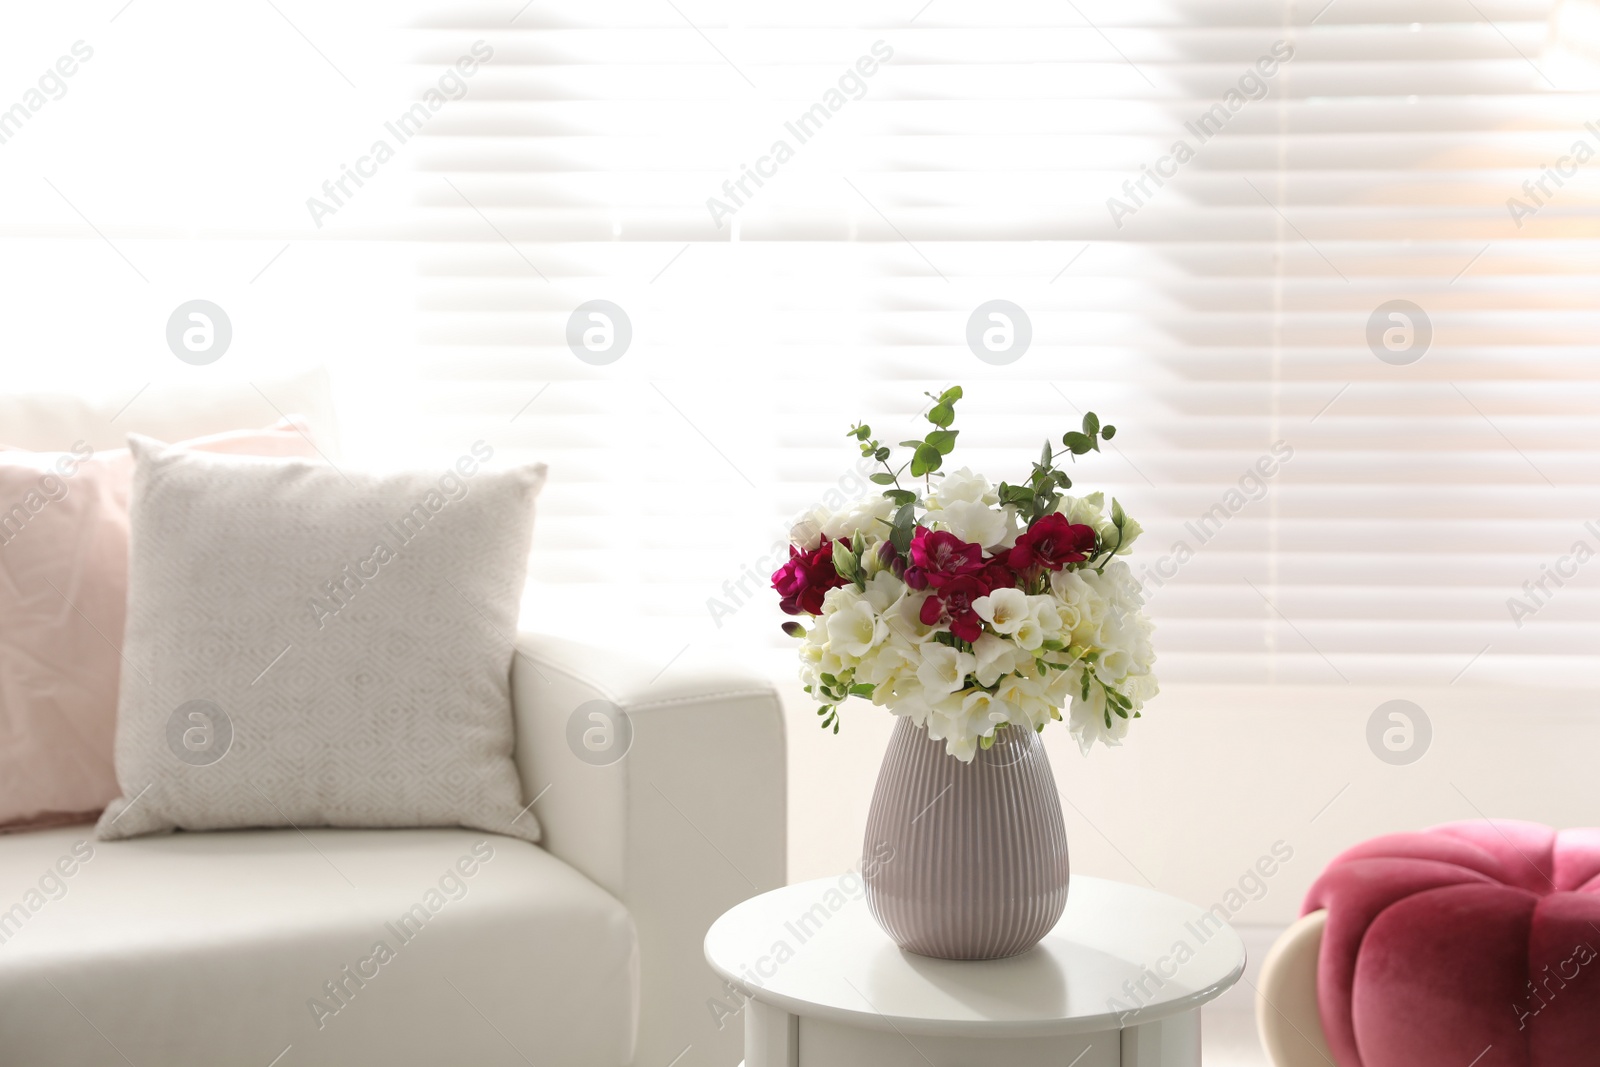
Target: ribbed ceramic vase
(965, 861)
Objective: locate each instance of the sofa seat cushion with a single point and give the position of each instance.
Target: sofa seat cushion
(1467, 943)
(233, 947)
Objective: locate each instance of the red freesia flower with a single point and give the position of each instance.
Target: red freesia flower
(807, 577)
(1052, 542)
(996, 575)
(938, 556)
(954, 600)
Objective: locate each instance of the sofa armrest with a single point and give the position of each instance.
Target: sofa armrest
(1287, 1015)
(688, 822)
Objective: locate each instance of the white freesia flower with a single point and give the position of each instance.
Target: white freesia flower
(892, 663)
(982, 707)
(916, 709)
(1013, 528)
(806, 534)
(1004, 609)
(1079, 604)
(1061, 685)
(1019, 689)
(961, 485)
(1046, 613)
(866, 515)
(1130, 533)
(811, 659)
(1115, 588)
(944, 670)
(1030, 635)
(840, 597)
(973, 522)
(855, 630)
(1087, 511)
(883, 589)
(1091, 722)
(962, 745)
(904, 617)
(995, 657)
(1090, 511)
(962, 721)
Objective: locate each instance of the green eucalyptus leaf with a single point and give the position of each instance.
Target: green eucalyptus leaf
(941, 414)
(882, 479)
(1091, 424)
(943, 440)
(1108, 432)
(905, 525)
(925, 460)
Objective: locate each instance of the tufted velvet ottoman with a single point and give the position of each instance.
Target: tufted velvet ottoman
(1474, 943)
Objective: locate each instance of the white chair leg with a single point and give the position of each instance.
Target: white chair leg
(1286, 999)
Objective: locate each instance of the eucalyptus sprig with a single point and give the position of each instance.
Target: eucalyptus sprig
(1043, 491)
(927, 455)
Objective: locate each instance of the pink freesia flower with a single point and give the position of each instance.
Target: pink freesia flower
(953, 600)
(938, 556)
(807, 577)
(1052, 542)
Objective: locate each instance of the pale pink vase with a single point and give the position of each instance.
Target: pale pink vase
(966, 861)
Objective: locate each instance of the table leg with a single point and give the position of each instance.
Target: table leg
(1173, 1042)
(771, 1036)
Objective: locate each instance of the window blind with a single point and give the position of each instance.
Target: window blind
(1207, 212)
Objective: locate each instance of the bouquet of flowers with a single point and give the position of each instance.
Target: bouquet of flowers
(972, 607)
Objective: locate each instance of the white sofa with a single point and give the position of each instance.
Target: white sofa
(217, 948)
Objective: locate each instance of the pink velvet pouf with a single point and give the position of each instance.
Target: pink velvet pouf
(1471, 943)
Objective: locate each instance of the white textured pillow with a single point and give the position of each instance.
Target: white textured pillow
(311, 647)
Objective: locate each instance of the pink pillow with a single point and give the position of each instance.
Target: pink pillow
(63, 592)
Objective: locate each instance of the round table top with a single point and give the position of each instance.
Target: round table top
(1121, 955)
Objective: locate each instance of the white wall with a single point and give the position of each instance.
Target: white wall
(1212, 776)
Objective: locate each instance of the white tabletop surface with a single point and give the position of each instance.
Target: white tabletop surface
(841, 966)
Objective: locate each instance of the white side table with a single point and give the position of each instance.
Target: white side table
(1118, 983)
